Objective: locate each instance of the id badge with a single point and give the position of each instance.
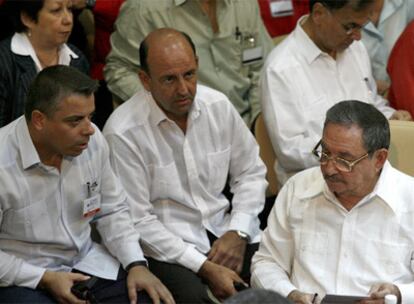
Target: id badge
(92, 205)
(251, 52)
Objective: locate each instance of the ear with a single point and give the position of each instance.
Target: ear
(145, 79)
(38, 120)
(319, 13)
(26, 20)
(380, 157)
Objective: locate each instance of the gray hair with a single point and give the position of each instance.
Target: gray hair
(374, 125)
(54, 84)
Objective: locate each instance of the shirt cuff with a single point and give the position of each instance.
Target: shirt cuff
(192, 259)
(130, 253)
(246, 223)
(29, 276)
(407, 293)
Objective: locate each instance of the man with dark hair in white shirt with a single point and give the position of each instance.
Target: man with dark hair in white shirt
(345, 227)
(56, 179)
(174, 145)
(319, 64)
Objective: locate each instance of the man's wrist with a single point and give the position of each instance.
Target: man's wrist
(242, 235)
(136, 263)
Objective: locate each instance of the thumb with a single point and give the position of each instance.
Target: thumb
(76, 277)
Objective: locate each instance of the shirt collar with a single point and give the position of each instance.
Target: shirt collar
(157, 115)
(20, 45)
(28, 152)
(382, 189)
(308, 48)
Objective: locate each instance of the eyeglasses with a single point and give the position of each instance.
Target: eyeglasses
(341, 164)
(348, 28)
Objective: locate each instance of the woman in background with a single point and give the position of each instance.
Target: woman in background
(42, 29)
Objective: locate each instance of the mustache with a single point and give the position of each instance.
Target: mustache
(333, 178)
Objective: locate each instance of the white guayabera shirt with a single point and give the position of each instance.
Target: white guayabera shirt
(313, 244)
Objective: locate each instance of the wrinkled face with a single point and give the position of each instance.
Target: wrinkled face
(172, 78)
(54, 23)
(339, 28)
(346, 142)
(67, 132)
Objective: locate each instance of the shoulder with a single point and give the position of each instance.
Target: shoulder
(81, 62)
(212, 99)
(284, 56)
(6, 55)
(9, 152)
(131, 114)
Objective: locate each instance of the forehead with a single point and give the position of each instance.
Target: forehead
(349, 14)
(343, 139)
(171, 57)
(75, 104)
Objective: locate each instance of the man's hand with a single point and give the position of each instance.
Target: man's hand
(401, 115)
(298, 297)
(228, 250)
(220, 279)
(140, 278)
(379, 291)
(58, 284)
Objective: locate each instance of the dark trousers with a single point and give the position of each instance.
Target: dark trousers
(185, 285)
(104, 291)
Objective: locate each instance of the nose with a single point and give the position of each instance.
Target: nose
(330, 168)
(88, 130)
(182, 87)
(67, 17)
(356, 34)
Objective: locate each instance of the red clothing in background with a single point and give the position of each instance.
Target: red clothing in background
(105, 13)
(401, 71)
(277, 26)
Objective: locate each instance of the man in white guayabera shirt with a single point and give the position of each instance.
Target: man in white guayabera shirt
(319, 64)
(345, 227)
(56, 179)
(174, 145)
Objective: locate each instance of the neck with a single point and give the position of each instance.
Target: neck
(350, 200)
(47, 55)
(310, 29)
(209, 7)
(46, 156)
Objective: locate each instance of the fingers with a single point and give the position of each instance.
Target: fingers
(76, 277)
(152, 292)
(132, 293)
(212, 253)
(165, 295)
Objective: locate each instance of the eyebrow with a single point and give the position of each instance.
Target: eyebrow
(343, 155)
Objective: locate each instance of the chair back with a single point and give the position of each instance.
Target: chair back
(401, 152)
(267, 154)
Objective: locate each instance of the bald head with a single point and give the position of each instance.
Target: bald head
(162, 41)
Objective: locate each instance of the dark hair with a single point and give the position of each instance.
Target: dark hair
(251, 295)
(374, 125)
(29, 7)
(52, 85)
(338, 4)
(143, 51)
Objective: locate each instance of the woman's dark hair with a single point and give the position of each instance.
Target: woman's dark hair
(30, 8)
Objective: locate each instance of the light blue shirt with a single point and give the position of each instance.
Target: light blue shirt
(395, 16)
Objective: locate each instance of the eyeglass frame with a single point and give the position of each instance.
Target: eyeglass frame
(350, 164)
(349, 29)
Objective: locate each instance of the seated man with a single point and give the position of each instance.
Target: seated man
(56, 179)
(318, 65)
(229, 35)
(345, 227)
(174, 145)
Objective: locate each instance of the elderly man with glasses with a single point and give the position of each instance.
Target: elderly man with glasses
(346, 227)
(319, 64)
